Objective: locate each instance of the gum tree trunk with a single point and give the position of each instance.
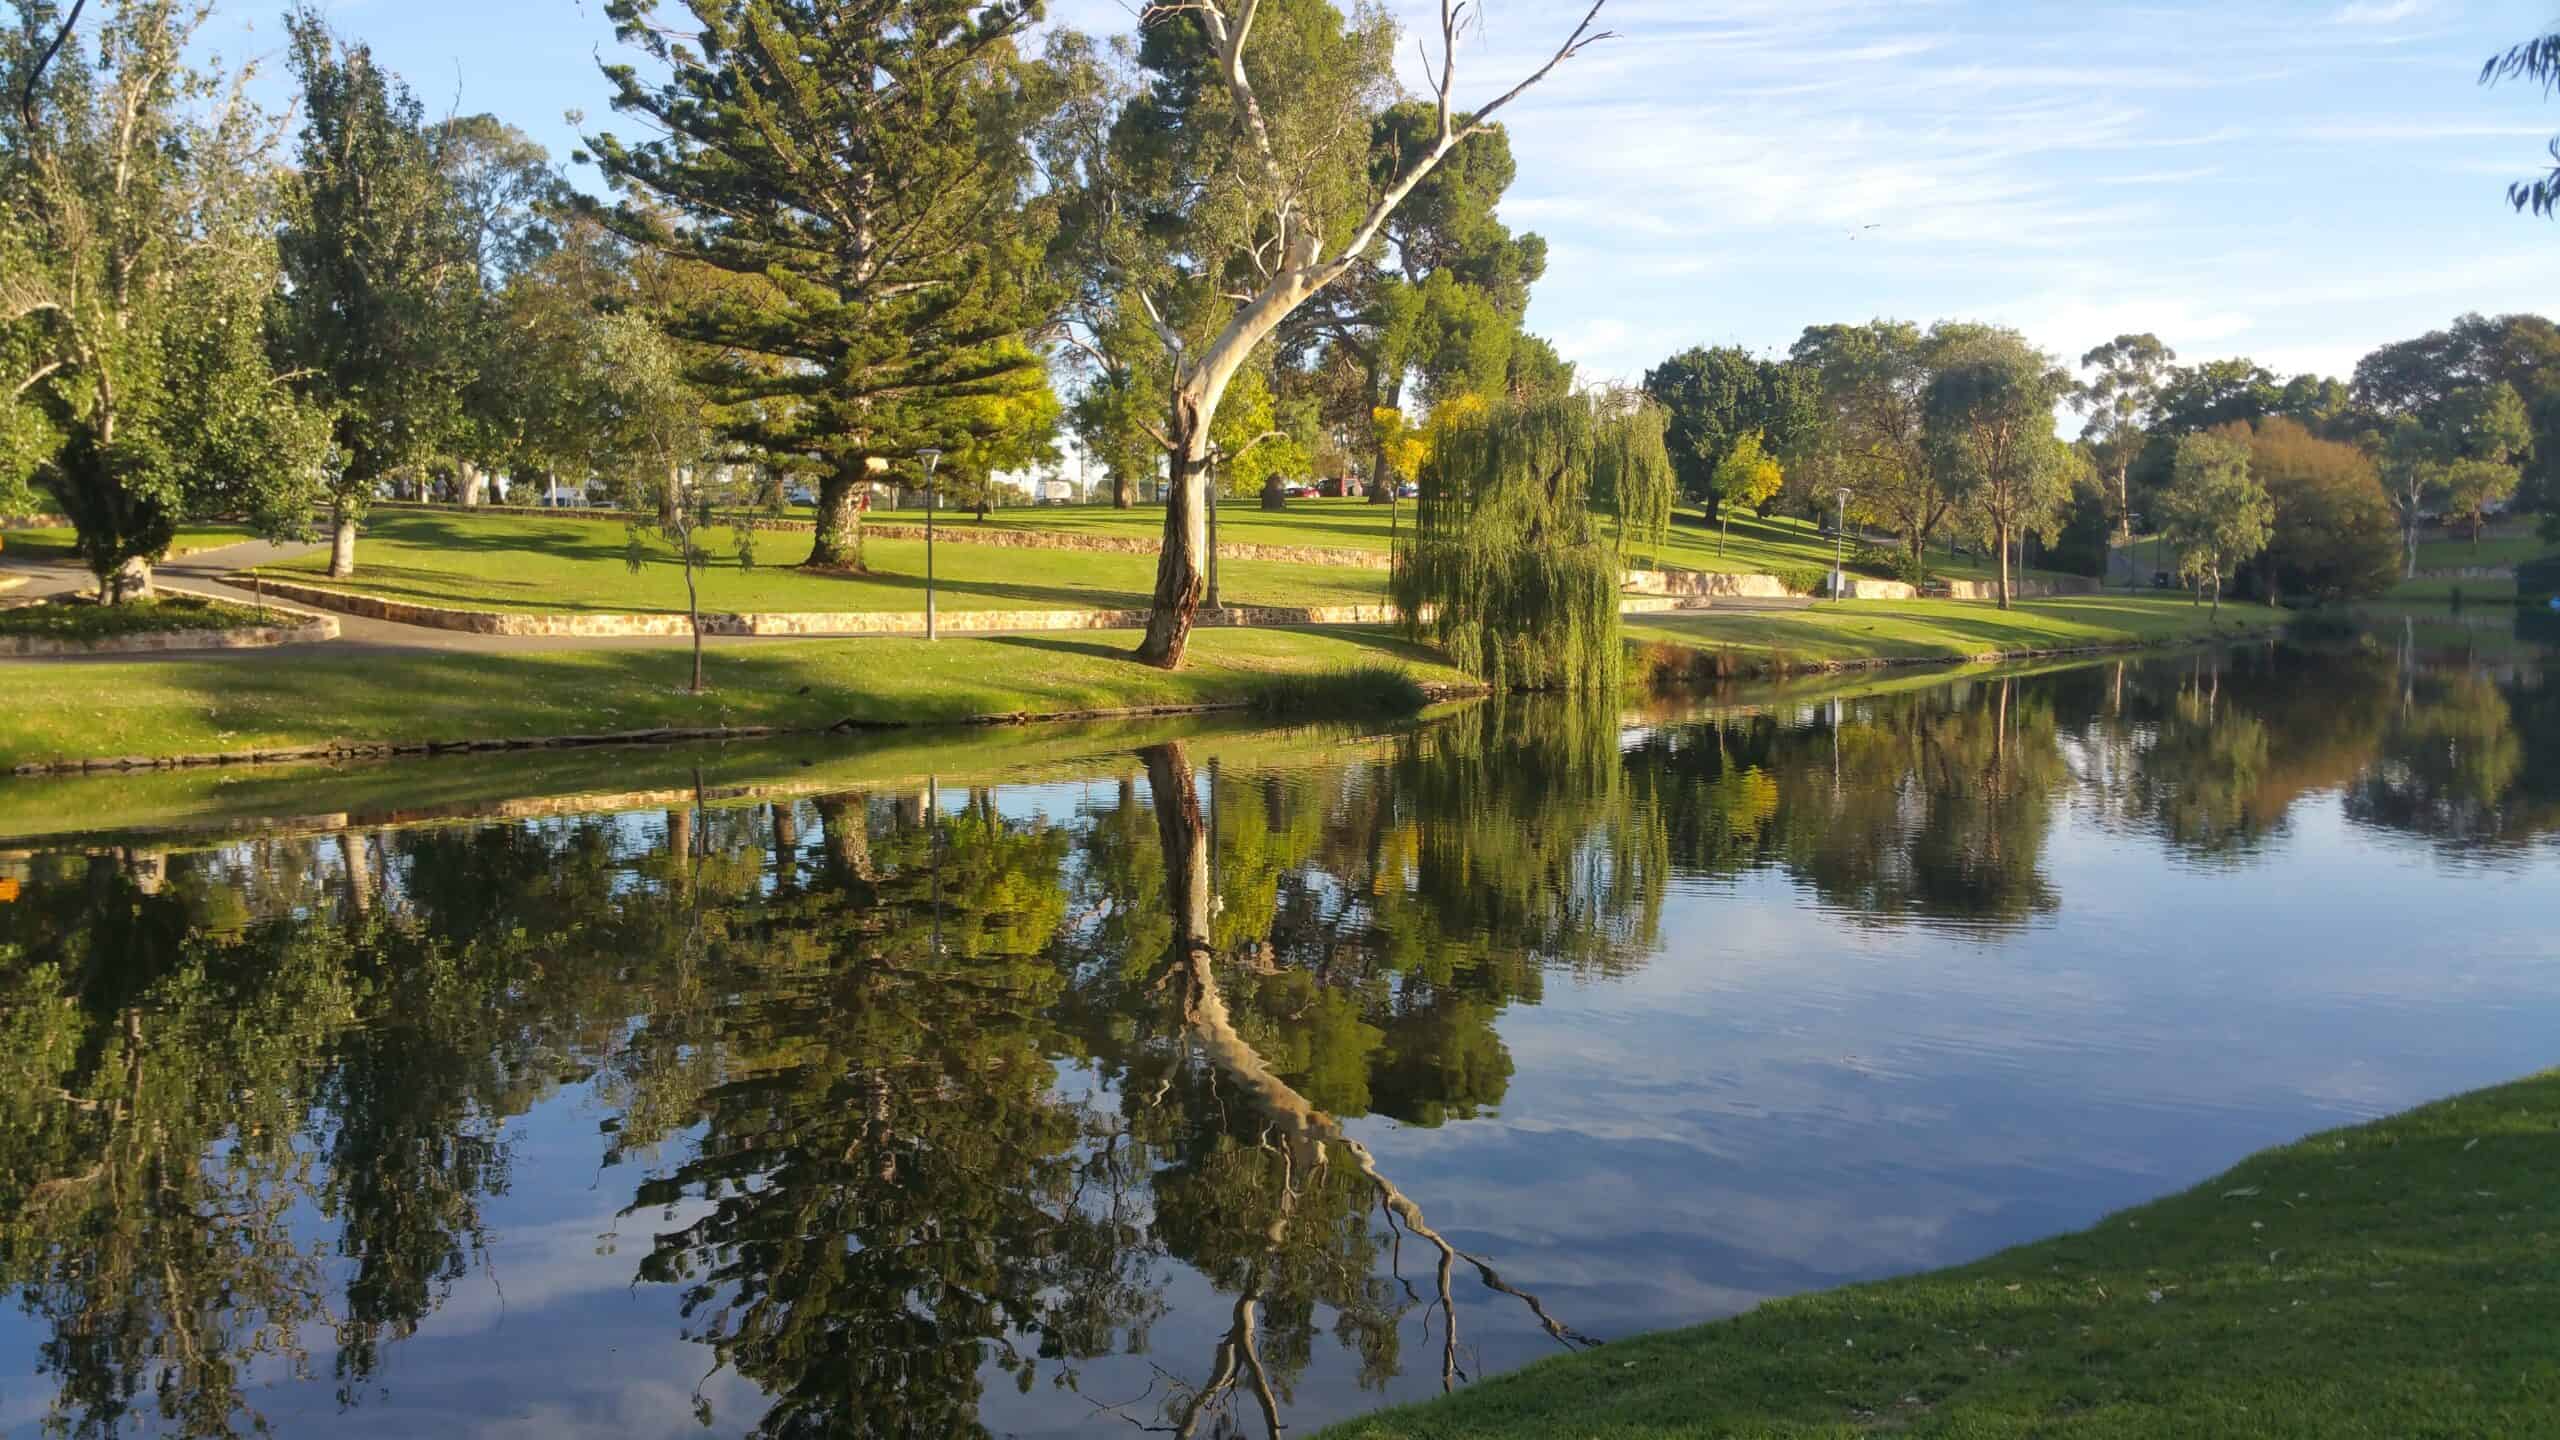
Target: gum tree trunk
(1182, 570)
(2003, 534)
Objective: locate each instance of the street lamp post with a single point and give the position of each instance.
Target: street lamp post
(932, 458)
(1840, 546)
(2132, 554)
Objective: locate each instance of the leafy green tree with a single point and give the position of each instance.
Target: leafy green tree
(1229, 162)
(2332, 532)
(137, 257)
(381, 288)
(2127, 376)
(1990, 425)
(1872, 383)
(2215, 515)
(1508, 552)
(1747, 475)
(2412, 465)
(1714, 398)
(2536, 61)
(512, 206)
(864, 168)
(2474, 487)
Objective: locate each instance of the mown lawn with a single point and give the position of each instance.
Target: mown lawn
(1755, 546)
(2513, 548)
(55, 544)
(1830, 632)
(2400, 1278)
(53, 710)
(545, 563)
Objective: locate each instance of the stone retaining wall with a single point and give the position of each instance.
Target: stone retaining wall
(963, 531)
(2467, 572)
(1714, 584)
(848, 622)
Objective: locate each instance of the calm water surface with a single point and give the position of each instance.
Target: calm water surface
(1236, 1082)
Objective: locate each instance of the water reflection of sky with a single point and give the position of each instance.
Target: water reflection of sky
(1783, 1097)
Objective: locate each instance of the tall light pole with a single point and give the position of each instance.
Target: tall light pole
(2132, 553)
(932, 458)
(1840, 546)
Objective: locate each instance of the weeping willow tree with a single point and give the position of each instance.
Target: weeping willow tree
(1527, 514)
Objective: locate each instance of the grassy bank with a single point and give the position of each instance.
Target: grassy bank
(1755, 546)
(525, 563)
(1707, 644)
(51, 710)
(2395, 1279)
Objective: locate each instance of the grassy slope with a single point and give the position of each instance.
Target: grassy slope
(2509, 549)
(1754, 547)
(55, 544)
(191, 705)
(538, 563)
(65, 621)
(2396, 1279)
(1829, 632)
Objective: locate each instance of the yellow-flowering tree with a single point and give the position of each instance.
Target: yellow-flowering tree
(1747, 475)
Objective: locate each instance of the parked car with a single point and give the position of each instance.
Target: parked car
(563, 500)
(800, 495)
(1410, 491)
(1297, 489)
(1333, 487)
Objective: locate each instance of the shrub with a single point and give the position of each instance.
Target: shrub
(1802, 579)
(1891, 563)
(2537, 581)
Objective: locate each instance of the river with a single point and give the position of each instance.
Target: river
(1204, 1078)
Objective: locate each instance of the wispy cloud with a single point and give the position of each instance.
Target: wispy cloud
(2378, 12)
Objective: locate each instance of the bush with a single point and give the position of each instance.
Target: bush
(1891, 563)
(2537, 581)
(1803, 579)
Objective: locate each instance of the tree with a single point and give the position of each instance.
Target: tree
(1990, 423)
(2118, 398)
(655, 437)
(2214, 514)
(2412, 467)
(1872, 381)
(1019, 431)
(1508, 555)
(1255, 211)
(137, 257)
(864, 167)
(380, 285)
(2472, 488)
(513, 210)
(2538, 61)
(1746, 476)
(1715, 397)
(2332, 532)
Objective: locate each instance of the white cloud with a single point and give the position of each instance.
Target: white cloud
(2378, 12)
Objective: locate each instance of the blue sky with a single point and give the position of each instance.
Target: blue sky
(2293, 182)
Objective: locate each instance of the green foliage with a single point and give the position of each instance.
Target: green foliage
(2472, 487)
(2538, 582)
(2119, 398)
(1804, 580)
(2214, 515)
(137, 259)
(382, 283)
(2331, 534)
(1990, 426)
(1716, 397)
(1508, 554)
(787, 166)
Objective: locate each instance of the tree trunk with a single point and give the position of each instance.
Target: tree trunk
(692, 604)
(1274, 497)
(838, 544)
(1124, 492)
(2000, 534)
(2409, 544)
(786, 844)
(128, 581)
(2217, 590)
(342, 543)
(1182, 570)
(844, 834)
(471, 481)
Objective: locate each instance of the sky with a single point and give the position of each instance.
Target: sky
(2296, 183)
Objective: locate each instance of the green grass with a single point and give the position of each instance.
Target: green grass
(2493, 592)
(1755, 546)
(542, 563)
(1826, 633)
(294, 697)
(2510, 549)
(55, 544)
(2395, 1279)
(80, 620)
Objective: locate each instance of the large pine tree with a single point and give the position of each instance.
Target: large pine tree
(862, 167)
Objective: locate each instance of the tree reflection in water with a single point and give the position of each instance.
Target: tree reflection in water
(258, 1097)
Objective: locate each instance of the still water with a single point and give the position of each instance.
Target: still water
(1232, 1081)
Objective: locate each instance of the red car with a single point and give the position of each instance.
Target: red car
(1338, 486)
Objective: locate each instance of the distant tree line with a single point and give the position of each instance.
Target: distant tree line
(2301, 486)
